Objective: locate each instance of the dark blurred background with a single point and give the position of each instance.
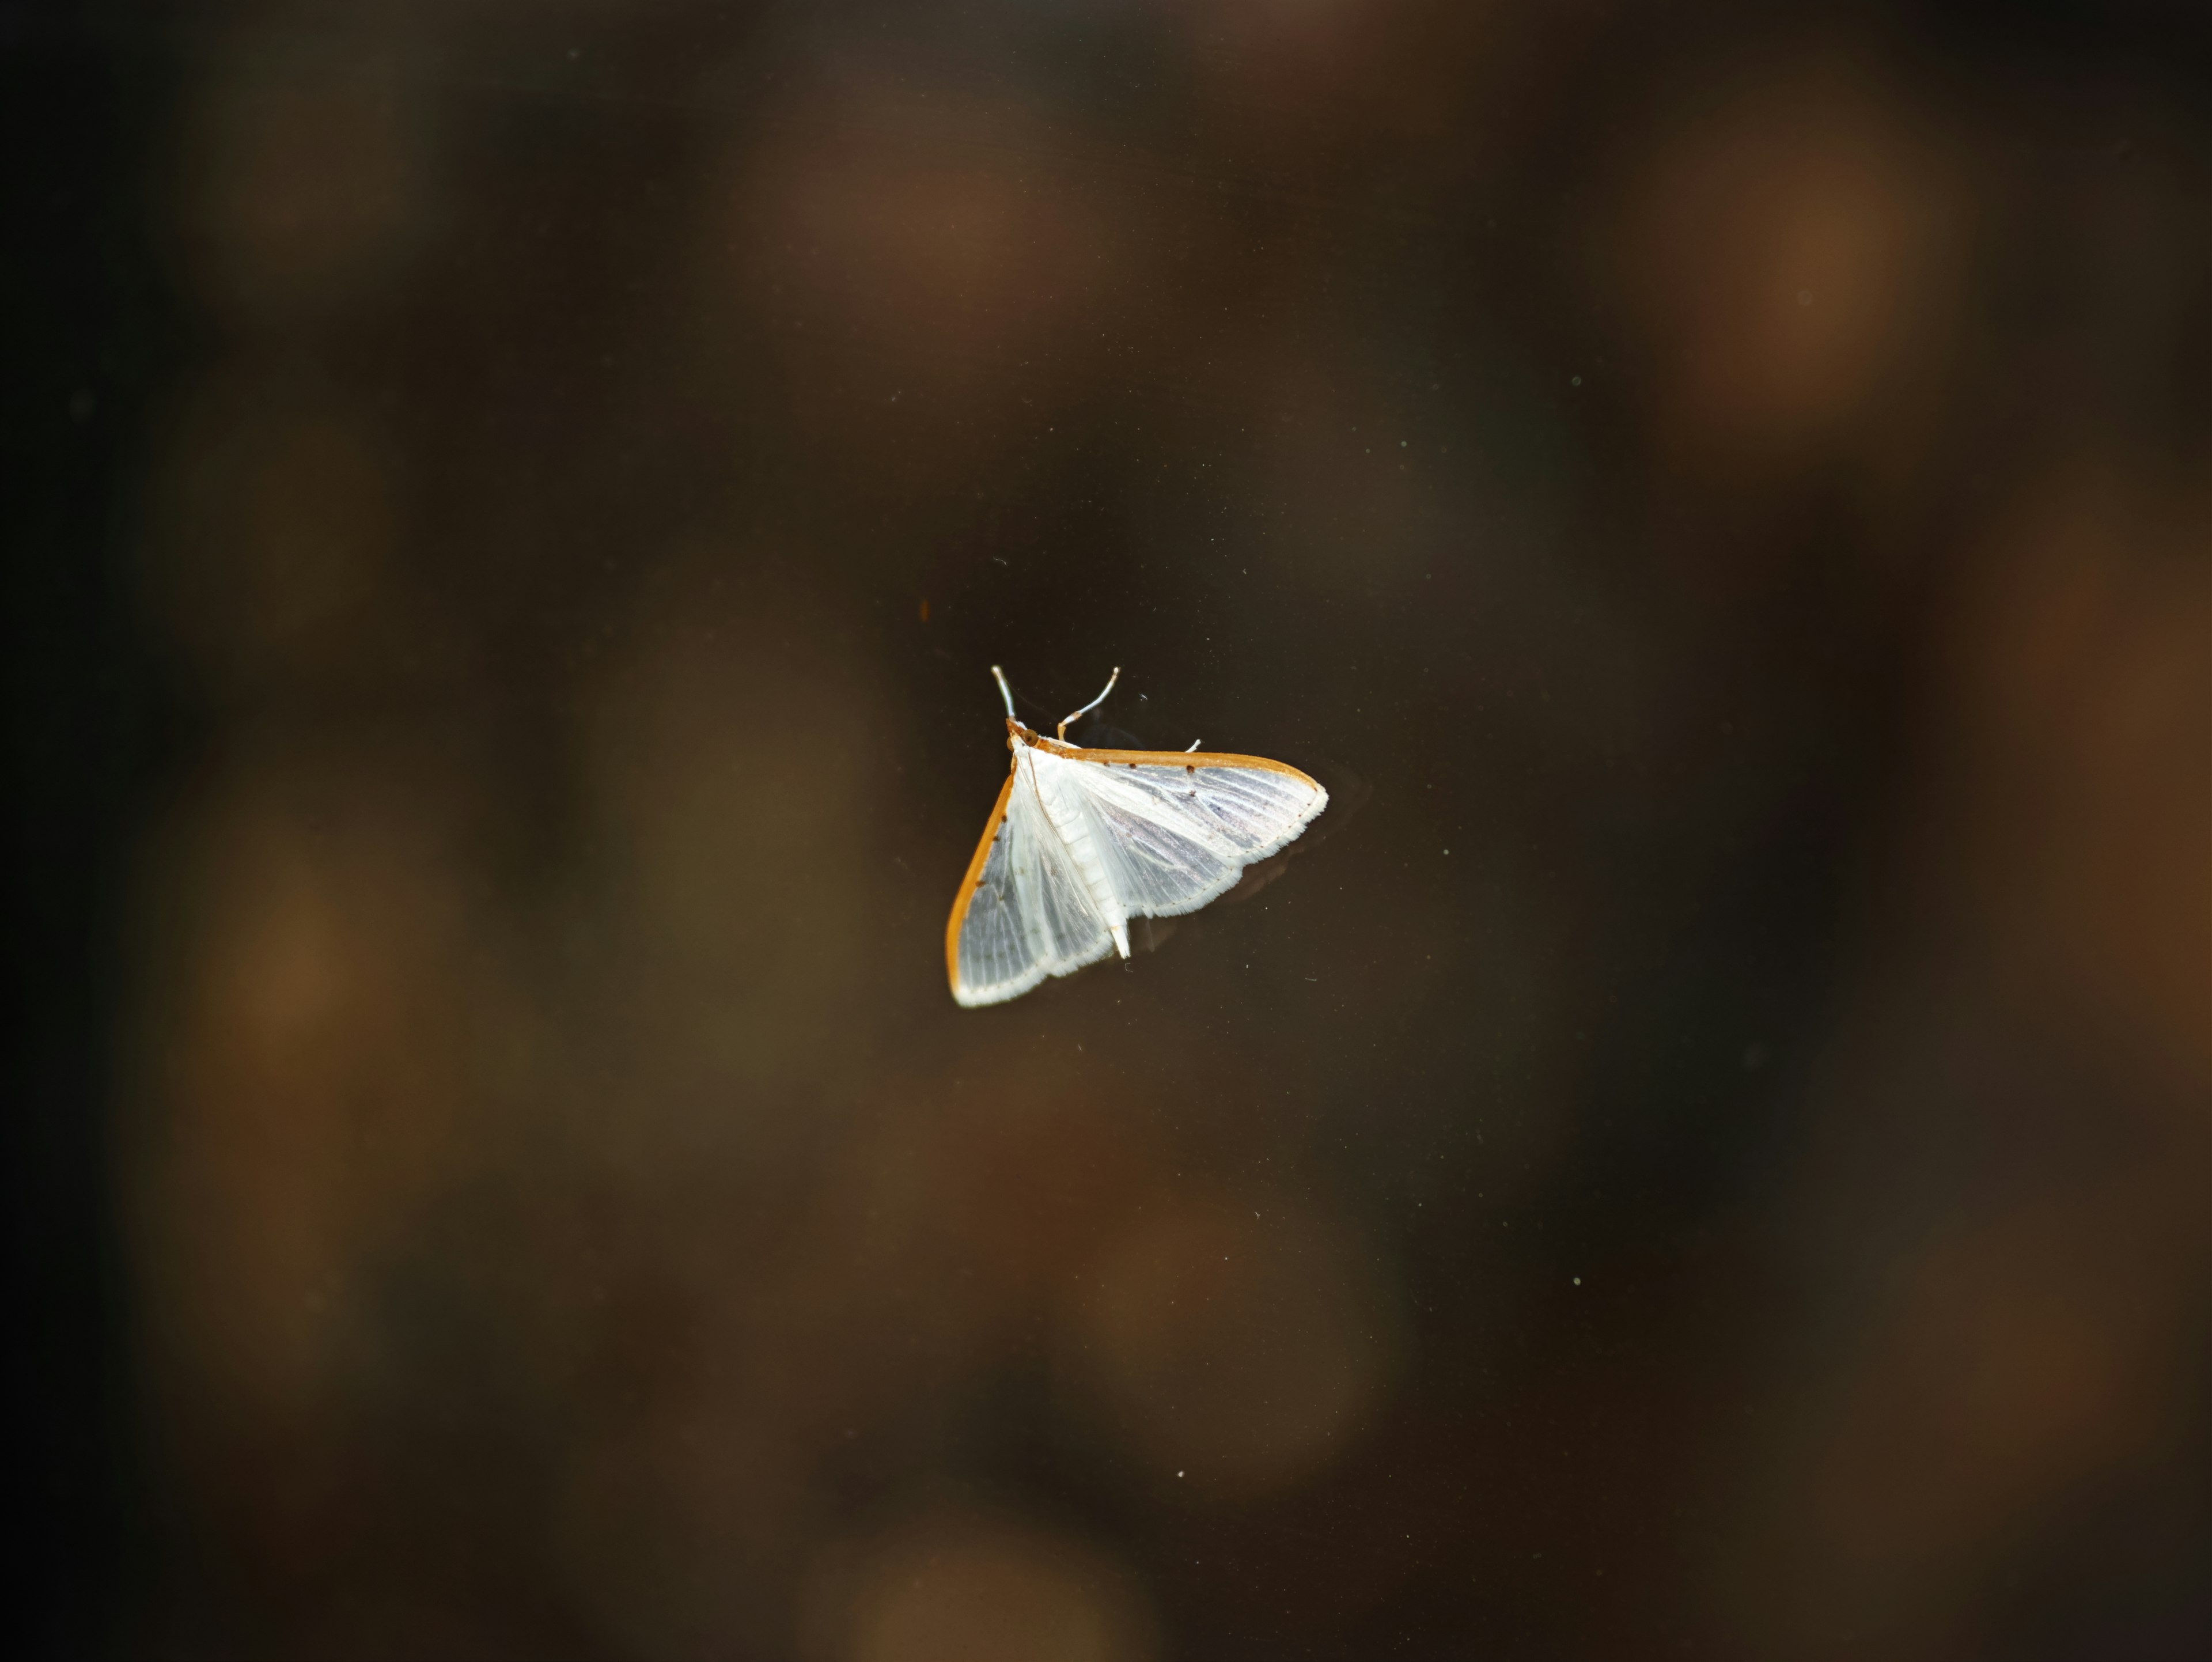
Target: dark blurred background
(1706, 1151)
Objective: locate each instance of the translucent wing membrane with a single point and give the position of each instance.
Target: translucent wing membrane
(1173, 834)
(1027, 913)
(1083, 841)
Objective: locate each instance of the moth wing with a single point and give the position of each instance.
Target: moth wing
(1023, 914)
(1175, 832)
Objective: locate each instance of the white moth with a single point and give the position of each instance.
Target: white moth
(1081, 840)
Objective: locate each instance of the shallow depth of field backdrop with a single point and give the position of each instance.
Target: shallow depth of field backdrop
(1707, 1151)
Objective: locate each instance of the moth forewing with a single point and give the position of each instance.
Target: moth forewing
(983, 940)
(1022, 914)
(1163, 854)
(1251, 806)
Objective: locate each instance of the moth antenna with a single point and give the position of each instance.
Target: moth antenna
(1005, 691)
(1092, 705)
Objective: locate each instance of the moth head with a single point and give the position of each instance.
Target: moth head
(1018, 734)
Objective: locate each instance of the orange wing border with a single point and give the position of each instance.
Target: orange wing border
(970, 882)
(1173, 759)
